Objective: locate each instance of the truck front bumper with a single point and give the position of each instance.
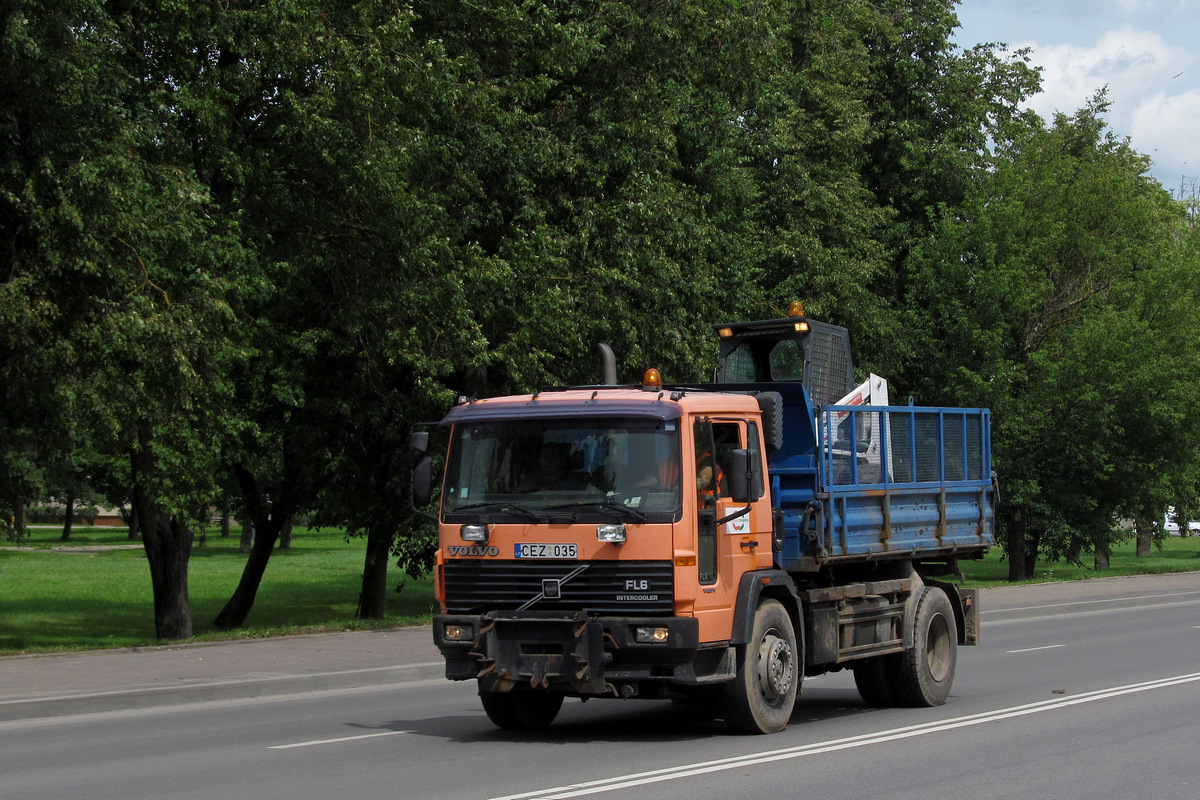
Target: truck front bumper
(578, 654)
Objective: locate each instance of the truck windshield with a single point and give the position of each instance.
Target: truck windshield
(577, 468)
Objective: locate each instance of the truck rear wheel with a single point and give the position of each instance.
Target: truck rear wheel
(761, 698)
(521, 711)
(924, 674)
(873, 677)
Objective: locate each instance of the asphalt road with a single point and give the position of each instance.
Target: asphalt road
(1078, 692)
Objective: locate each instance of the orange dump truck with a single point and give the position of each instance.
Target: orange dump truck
(713, 543)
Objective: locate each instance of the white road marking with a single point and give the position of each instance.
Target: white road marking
(317, 742)
(1034, 649)
(739, 762)
(1089, 602)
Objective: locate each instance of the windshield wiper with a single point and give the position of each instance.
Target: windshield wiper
(501, 506)
(610, 505)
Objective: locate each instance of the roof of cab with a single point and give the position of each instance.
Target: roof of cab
(665, 403)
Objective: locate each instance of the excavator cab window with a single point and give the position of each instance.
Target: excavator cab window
(739, 366)
(787, 361)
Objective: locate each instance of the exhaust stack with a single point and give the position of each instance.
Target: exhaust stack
(608, 363)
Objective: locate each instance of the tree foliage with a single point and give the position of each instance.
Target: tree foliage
(1045, 296)
(252, 243)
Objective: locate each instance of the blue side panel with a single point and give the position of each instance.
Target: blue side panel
(890, 481)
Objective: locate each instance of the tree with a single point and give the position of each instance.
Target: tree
(116, 278)
(1051, 296)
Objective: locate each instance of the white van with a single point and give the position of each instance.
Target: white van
(1172, 527)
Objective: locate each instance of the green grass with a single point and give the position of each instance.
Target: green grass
(1176, 555)
(73, 597)
(78, 597)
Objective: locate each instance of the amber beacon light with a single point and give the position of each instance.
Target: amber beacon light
(796, 311)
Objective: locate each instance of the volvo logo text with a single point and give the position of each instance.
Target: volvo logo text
(473, 550)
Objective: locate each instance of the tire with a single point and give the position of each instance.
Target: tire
(873, 677)
(761, 697)
(924, 674)
(771, 405)
(521, 711)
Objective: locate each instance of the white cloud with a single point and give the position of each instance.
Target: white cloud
(1141, 49)
(1128, 61)
(1171, 124)
(1147, 102)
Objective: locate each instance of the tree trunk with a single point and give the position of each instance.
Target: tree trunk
(225, 516)
(1016, 546)
(19, 529)
(258, 537)
(1102, 556)
(135, 527)
(1145, 538)
(168, 543)
(70, 520)
(234, 614)
(202, 518)
(1033, 546)
(285, 535)
(1074, 553)
(373, 597)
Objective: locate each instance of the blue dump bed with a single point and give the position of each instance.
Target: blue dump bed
(861, 483)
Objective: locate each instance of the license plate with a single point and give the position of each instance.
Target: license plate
(535, 550)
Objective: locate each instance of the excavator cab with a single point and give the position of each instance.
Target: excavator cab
(792, 349)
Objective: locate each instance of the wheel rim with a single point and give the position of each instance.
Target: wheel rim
(774, 666)
(937, 648)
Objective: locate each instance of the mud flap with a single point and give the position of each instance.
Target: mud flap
(966, 610)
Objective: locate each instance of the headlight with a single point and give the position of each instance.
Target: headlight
(611, 534)
(458, 633)
(652, 635)
(473, 533)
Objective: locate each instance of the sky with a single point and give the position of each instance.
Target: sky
(1147, 52)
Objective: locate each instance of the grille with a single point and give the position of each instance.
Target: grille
(829, 367)
(627, 588)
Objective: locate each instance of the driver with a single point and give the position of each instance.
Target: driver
(553, 471)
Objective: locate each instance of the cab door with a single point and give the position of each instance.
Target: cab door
(727, 544)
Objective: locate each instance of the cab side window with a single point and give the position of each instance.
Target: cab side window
(714, 441)
(755, 447)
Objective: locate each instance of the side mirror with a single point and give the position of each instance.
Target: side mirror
(422, 482)
(422, 472)
(745, 477)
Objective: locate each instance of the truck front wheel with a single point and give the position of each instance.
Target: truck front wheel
(924, 673)
(760, 699)
(521, 711)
